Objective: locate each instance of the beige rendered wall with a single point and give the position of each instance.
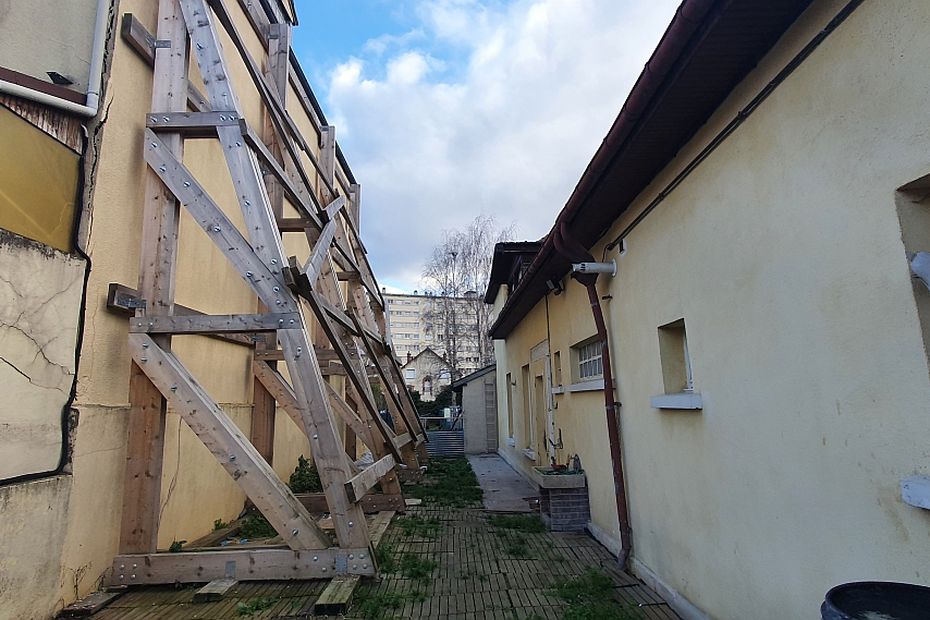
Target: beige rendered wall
(77, 517)
(783, 254)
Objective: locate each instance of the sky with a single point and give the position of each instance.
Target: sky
(449, 109)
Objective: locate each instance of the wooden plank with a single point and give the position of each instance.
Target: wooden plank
(254, 564)
(371, 503)
(297, 224)
(157, 264)
(216, 590)
(124, 300)
(225, 441)
(89, 605)
(379, 526)
(359, 485)
(314, 265)
(262, 428)
(191, 124)
(352, 420)
(211, 324)
(217, 536)
(335, 598)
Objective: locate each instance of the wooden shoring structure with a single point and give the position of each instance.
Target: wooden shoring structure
(335, 283)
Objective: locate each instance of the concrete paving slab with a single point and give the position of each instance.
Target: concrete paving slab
(504, 489)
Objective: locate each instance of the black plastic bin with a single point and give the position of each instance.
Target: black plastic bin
(877, 600)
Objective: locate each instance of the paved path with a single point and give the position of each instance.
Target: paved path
(504, 489)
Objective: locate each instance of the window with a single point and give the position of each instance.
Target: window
(676, 363)
(677, 378)
(590, 364)
(410, 374)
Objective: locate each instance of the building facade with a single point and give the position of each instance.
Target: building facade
(446, 325)
(760, 194)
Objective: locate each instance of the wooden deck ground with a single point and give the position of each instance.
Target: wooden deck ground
(481, 572)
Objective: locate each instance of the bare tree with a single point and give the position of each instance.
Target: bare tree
(458, 273)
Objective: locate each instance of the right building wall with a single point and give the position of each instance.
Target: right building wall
(783, 254)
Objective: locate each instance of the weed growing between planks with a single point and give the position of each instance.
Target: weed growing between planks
(418, 526)
(383, 604)
(590, 597)
(254, 606)
(448, 482)
(531, 524)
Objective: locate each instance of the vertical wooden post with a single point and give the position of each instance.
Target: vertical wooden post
(146, 432)
(328, 158)
(355, 204)
(263, 403)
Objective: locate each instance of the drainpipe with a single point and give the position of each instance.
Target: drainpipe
(95, 79)
(585, 271)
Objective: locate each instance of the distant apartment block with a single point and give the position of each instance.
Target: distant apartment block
(447, 325)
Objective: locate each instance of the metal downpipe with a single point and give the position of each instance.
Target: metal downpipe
(576, 253)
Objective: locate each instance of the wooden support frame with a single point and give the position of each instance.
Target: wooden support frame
(264, 172)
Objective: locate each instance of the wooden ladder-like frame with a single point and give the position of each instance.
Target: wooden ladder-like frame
(336, 282)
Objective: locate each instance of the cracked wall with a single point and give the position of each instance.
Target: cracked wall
(40, 297)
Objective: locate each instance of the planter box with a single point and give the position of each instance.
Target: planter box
(557, 481)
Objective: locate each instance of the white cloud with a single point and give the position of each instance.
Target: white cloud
(508, 133)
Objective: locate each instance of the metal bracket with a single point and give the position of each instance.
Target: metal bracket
(162, 44)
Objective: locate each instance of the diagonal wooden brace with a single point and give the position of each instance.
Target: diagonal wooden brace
(227, 443)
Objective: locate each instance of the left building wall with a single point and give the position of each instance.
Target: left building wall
(61, 530)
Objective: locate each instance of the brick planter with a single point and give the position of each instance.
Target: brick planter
(565, 510)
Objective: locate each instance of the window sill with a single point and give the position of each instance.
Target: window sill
(689, 401)
(583, 386)
(529, 453)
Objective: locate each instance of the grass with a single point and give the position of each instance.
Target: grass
(416, 567)
(219, 524)
(530, 524)
(384, 555)
(418, 526)
(383, 604)
(448, 482)
(589, 596)
(177, 546)
(254, 606)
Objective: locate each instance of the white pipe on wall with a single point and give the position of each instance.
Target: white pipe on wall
(95, 79)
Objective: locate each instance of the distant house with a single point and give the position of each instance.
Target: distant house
(427, 372)
(447, 325)
(477, 395)
(761, 195)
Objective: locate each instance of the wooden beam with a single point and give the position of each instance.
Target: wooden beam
(246, 565)
(336, 596)
(216, 590)
(371, 503)
(225, 441)
(157, 264)
(314, 265)
(192, 124)
(358, 486)
(297, 224)
(212, 324)
(124, 300)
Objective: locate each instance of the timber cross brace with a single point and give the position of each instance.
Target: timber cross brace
(335, 284)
